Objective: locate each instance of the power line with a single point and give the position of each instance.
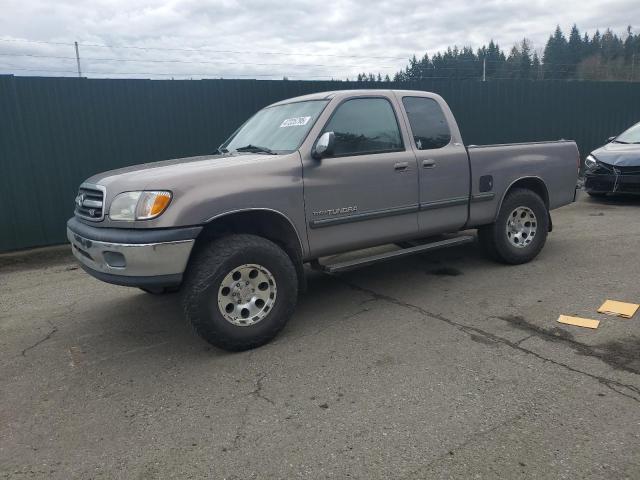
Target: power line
(428, 68)
(39, 70)
(243, 52)
(221, 62)
(511, 69)
(201, 74)
(278, 76)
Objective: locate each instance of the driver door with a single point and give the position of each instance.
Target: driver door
(366, 193)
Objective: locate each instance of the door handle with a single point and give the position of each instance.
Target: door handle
(428, 163)
(401, 166)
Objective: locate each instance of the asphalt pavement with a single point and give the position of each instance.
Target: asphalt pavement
(442, 365)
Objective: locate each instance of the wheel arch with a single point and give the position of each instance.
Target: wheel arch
(267, 223)
(533, 183)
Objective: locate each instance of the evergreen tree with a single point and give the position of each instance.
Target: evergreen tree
(612, 46)
(554, 58)
(525, 59)
(628, 46)
(412, 71)
(495, 57)
(596, 43)
(536, 67)
(512, 67)
(574, 50)
(469, 67)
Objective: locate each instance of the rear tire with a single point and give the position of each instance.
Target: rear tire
(520, 230)
(240, 291)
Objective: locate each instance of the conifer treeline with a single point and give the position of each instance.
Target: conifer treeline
(606, 56)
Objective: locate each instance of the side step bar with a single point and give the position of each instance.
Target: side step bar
(382, 257)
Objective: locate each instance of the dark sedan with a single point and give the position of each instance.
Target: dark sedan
(615, 167)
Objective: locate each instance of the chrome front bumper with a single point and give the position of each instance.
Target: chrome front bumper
(133, 264)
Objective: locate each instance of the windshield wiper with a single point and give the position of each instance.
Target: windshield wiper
(619, 141)
(255, 149)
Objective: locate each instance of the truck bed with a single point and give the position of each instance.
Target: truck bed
(494, 168)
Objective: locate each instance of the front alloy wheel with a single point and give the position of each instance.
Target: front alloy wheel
(239, 291)
(247, 294)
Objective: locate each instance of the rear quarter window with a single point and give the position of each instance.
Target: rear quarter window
(429, 126)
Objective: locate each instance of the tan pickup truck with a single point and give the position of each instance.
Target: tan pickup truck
(306, 178)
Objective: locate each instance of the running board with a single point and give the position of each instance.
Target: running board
(382, 257)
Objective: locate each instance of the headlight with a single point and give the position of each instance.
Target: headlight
(590, 162)
(132, 206)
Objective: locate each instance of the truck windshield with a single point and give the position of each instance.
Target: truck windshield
(275, 129)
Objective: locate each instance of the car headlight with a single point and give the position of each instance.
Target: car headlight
(130, 206)
(590, 163)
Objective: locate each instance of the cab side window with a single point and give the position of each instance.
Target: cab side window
(428, 123)
(365, 125)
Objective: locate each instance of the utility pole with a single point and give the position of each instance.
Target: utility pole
(78, 59)
(484, 69)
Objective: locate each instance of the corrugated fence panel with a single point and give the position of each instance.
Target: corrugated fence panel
(55, 132)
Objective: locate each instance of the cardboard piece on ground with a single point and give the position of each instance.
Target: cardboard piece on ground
(579, 322)
(621, 309)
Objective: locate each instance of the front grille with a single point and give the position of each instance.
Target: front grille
(628, 170)
(599, 184)
(90, 202)
(612, 169)
(613, 183)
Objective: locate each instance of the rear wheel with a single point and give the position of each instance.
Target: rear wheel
(520, 230)
(240, 291)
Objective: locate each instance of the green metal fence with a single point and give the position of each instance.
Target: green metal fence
(55, 132)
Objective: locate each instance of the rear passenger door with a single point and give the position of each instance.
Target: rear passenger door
(366, 193)
(443, 166)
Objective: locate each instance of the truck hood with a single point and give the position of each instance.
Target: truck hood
(619, 154)
(164, 174)
(206, 186)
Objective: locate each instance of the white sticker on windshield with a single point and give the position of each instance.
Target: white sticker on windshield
(295, 122)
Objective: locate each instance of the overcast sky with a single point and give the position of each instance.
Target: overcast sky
(296, 38)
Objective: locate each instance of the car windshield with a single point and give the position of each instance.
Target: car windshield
(629, 136)
(276, 129)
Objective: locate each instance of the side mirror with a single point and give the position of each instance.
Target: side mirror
(324, 145)
(610, 139)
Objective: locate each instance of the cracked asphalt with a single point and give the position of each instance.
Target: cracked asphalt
(444, 365)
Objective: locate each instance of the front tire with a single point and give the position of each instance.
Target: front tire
(240, 291)
(520, 230)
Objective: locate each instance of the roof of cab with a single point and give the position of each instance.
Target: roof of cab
(340, 93)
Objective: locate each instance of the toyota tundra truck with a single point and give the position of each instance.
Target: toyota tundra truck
(305, 179)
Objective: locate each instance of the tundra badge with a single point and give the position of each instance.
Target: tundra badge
(336, 211)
